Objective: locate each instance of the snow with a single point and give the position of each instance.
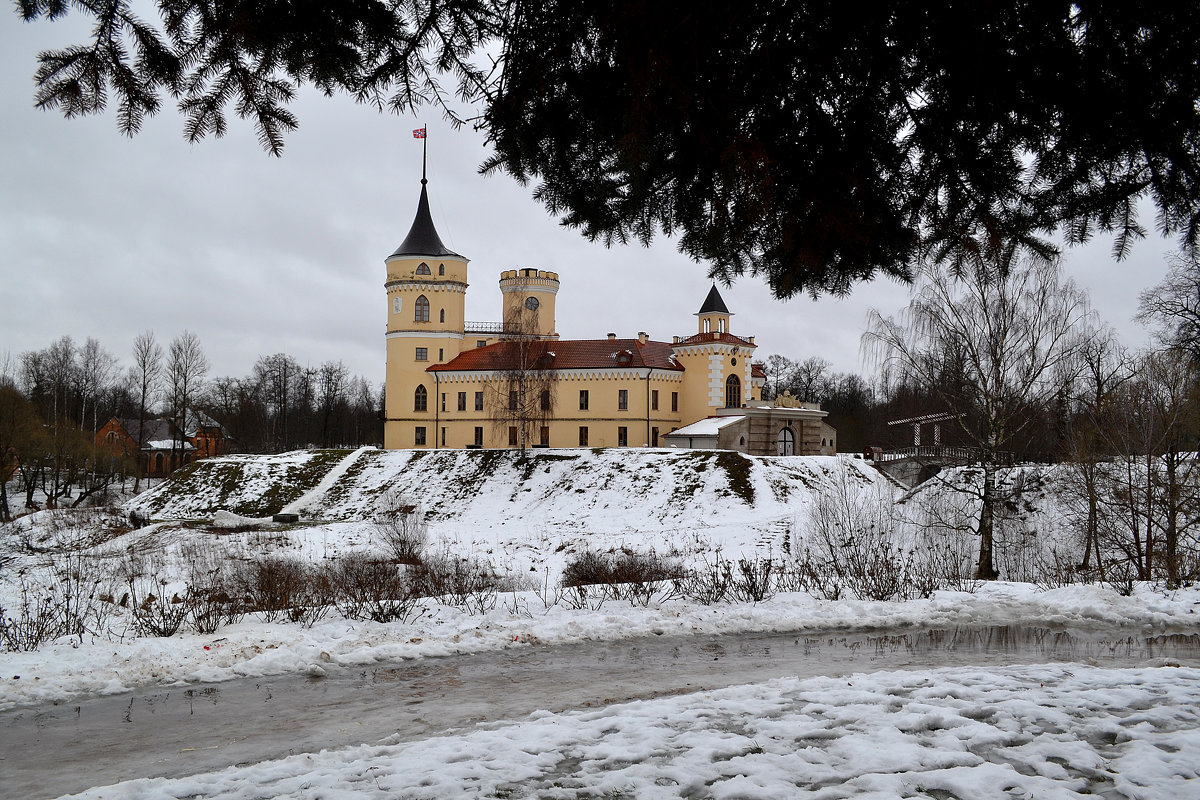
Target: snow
(709, 426)
(1047, 732)
(68, 668)
(1058, 731)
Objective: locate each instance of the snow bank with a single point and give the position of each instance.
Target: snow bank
(68, 669)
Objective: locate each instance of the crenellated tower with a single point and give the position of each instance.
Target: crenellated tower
(426, 312)
(529, 301)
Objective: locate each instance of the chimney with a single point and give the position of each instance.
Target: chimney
(674, 340)
(612, 336)
(643, 337)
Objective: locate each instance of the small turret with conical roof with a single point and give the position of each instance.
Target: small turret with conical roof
(713, 314)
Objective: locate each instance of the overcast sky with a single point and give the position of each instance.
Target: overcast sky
(106, 236)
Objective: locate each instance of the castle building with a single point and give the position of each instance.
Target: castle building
(451, 383)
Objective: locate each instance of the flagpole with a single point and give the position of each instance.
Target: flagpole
(424, 150)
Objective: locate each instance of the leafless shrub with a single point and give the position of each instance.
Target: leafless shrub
(369, 588)
(280, 587)
(463, 582)
(1121, 576)
(38, 620)
(625, 575)
(708, 583)
(854, 536)
(752, 581)
(400, 529)
(78, 582)
(807, 574)
(943, 561)
(155, 614)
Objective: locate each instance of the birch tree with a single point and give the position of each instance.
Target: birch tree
(1009, 332)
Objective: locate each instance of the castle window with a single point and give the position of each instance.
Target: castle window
(544, 436)
(481, 343)
(622, 399)
(733, 392)
(441, 269)
(479, 401)
(422, 354)
(419, 435)
(462, 401)
(478, 436)
(512, 435)
(721, 325)
(654, 437)
(420, 402)
(583, 436)
(513, 401)
(654, 399)
(583, 399)
(707, 325)
(622, 436)
(545, 399)
(441, 355)
(443, 401)
(423, 269)
(442, 315)
(422, 310)
(675, 401)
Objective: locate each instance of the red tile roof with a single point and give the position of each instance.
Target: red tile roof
(567, 354)
(729, 338)
(758, 370)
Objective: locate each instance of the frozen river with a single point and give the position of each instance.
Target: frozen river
(46, 751)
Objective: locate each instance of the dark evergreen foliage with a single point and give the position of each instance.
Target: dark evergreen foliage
(815, 143)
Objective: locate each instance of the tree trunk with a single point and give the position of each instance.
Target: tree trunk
(986, 570)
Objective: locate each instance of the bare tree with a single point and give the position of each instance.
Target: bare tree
(779, 374)
(146, 376)
(331, 394)
(1172, 308)
(810, 378)
(1007, 334)
(187, 367)
(1150, 501)
(520, 395)
(94, 374)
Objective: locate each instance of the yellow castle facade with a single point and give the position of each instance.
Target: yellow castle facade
(451, 383)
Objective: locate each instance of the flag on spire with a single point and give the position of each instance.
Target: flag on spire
(419, 133)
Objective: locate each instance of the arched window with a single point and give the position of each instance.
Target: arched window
(420, 399)
(441, 269)
(422, 309)
(423, 269)
(442, 315)
(158, 463)
(786, 442)
(733, 392)
(707, 325)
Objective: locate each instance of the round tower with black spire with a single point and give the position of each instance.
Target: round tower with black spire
(426, 311)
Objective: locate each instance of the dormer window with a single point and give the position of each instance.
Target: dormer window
(423, 269)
